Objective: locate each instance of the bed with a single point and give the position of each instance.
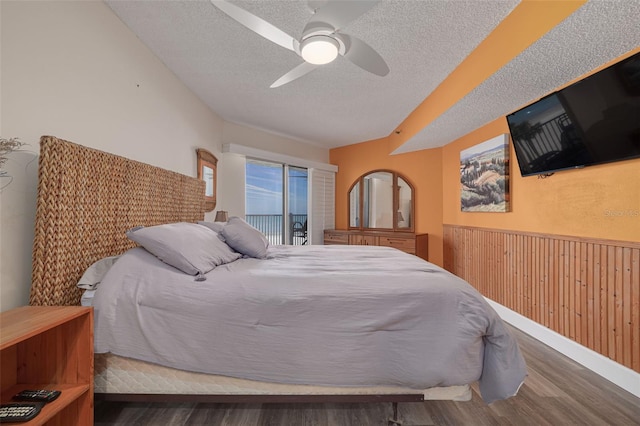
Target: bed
(88, 199)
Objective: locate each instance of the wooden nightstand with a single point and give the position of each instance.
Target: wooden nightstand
(49, 347)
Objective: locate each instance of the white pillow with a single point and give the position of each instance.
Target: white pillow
(94, 273)
(192, 248)
(244, 238)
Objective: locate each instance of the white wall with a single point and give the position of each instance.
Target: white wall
(235, 164)
(231, 171)
(72, 69)
(236, 134)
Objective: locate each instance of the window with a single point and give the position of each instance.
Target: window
(266, 205)
(264, 185)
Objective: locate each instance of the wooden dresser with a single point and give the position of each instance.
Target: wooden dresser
(409, 242)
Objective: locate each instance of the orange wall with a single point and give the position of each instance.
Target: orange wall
(422, 168)
(599, 201)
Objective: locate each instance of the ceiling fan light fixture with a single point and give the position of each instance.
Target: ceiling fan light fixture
(319, 50)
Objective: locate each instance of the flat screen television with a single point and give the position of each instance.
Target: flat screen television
(593, 121)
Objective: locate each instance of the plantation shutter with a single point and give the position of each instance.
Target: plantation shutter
(321, 204)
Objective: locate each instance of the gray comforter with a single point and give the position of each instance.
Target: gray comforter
(323, 315)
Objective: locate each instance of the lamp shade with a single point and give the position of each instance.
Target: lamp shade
(221, 216)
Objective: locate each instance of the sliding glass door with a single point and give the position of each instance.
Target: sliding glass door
(266, 184)
(297, 206)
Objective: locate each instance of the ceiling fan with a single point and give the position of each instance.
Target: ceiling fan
(322, 40)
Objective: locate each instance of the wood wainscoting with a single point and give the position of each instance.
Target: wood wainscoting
(587, 290)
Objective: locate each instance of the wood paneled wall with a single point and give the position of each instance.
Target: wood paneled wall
(585, 289)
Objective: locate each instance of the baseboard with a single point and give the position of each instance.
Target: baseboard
(616, 373)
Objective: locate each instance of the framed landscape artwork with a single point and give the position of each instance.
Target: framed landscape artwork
(484, 176)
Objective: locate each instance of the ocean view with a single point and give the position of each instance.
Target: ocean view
(271, 226)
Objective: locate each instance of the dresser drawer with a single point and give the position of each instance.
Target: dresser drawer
(336, 237)
(363, 240)
(417, 244)
(404, 244)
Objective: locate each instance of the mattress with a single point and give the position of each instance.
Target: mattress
(120, 375)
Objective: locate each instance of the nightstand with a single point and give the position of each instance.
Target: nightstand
(49, 347)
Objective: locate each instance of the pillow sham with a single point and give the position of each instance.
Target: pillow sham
(94, 273)
(244, 238)
(192, 248)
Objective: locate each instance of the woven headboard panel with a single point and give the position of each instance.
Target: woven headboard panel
(87, 199)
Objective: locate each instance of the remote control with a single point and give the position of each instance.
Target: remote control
(19, 411)
(40, 395)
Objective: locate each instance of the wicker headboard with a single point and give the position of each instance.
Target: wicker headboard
(87, 199)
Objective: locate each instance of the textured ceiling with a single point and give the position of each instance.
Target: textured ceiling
(231, 68)
(584, 41)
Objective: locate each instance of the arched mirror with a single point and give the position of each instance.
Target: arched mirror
(381, 199)
(207, 171)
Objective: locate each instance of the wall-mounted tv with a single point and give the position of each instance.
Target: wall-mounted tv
(593, 121)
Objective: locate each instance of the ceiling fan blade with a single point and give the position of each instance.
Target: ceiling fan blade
(338, 13)
(363, 55)
(256, 24)
(297, 72)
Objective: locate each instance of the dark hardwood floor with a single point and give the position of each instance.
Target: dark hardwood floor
(557, 391)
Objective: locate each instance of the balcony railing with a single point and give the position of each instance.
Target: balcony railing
(271, 225)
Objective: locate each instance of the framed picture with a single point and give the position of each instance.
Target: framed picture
(484, 176)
